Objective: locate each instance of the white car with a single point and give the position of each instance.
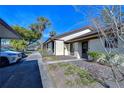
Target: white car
(8, 57)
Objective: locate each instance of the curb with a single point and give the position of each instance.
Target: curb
(46, 80)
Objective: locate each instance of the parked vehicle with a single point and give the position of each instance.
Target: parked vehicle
(8, 57)
(23, 53)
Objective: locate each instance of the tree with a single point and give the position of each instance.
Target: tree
(112, 14)
(28, 37)
(52, 33)
(111, 19)
(41, 24)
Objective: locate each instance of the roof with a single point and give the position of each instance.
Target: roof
(74, 31)
(95, 33)
(6, 32)
(92, 34)
(69, 33)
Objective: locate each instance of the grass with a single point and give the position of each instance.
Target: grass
(72, 75)
(46, 56)
(53, 67)
(49, 58)
(83, 77)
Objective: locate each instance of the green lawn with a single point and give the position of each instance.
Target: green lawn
(50, 58)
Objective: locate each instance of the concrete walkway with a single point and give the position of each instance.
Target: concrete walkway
(46, 78)
(62, 61)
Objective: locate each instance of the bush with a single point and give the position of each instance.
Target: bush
(115, 59)
(94, 55)
(97, 56)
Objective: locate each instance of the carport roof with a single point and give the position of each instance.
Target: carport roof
(6, 32)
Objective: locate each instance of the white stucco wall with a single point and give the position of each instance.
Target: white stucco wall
(59, 47)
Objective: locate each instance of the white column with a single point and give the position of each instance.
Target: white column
(59, 47)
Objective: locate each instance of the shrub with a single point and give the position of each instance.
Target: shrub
(97, 57)
(94, 54)
(115, 59)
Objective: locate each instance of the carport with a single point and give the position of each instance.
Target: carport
(6, 32)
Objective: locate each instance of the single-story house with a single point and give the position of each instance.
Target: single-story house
(78, 42)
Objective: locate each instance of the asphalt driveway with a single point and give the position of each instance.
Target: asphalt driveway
(24, 74)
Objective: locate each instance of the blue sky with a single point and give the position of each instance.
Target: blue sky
(63, 18)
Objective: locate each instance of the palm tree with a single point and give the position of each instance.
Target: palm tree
(40, 26)
(33, 27)
(43, 23)
(52, 33)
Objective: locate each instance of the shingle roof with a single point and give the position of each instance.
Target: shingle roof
(3, 23)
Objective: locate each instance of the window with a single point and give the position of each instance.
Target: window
(111, 42)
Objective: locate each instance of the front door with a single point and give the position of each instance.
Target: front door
(84, 49)
(71, 48)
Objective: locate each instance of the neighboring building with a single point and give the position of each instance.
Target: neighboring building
(78, 42)
(6, 32)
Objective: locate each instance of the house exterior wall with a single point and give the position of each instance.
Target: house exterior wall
(121, 46)
(49, 49)
(93, 45)
(98, 45)
(59, 47)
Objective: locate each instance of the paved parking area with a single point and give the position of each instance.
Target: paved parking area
(21, 75)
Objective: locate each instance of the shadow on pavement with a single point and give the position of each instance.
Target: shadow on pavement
(21, 75)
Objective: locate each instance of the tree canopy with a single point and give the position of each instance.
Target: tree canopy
(31, 35)
(52, 33)
(28, 37)
(41, 24)
(112, 14)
